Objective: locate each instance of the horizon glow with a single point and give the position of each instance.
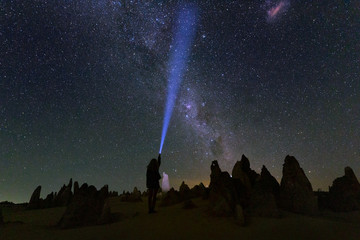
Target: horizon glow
(185, 28)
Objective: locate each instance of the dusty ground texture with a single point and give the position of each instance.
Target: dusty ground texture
(174, 222)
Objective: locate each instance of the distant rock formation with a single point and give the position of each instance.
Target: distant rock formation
(135, 196)
(344, 194)
(113, 194)
(76, 187)
(184, 192)
(199, 191)
(48, 201)
(222, 192)
(35, 201)
(64, 196)
(296, 193)
(86, 208)
(170, 198)
(264, 195)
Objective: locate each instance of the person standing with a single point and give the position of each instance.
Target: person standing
(152, 182)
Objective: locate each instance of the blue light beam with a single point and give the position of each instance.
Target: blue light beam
(185, 29)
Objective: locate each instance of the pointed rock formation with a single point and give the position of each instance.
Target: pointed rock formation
(296, 193)
(135, 196)
(184, 188)
(198, 191)
(48, 201)
(86, 208)
(239, 173)
(35, 200)
(171, 197)
(268, 182)
(244, 179)
(344, 194)
(222, 192)
(184, 191)
(244, 167)
(113, 194)
(76, 187)
(64, 196)
(264, 196)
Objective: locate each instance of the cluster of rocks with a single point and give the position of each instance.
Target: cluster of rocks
(84, 206)
(134, 196)
(183, 195)
(260, 194)
(88, 206)
(59, 199)
(247, 192)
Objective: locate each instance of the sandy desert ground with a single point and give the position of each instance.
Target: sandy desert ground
(174, 222)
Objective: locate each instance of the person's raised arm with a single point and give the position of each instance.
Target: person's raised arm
(159, 159)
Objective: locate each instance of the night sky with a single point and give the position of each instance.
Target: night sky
(83, 88)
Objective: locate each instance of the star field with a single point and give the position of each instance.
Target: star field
(83, 90)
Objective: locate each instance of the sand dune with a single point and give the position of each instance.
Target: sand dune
(174, 222)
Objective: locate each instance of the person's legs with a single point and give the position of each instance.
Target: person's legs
(154, 198)
(150, 192)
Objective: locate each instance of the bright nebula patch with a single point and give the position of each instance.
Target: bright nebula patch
(274, 12)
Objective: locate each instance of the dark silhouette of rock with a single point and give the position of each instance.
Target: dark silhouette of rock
(244, 179)
(64, 196)
(268, 182)
(76, 187)
(198, 191)
(323, 199)
(35, 200)
(171, 197)
(264, 195)
(114, 194)
(296, 193)
(86, 208)
(215, 173)
(135, 196)
(239, 173)
(184, 188)
(184, 192)
(124, 197)
(48, 201)
(344, 194)
(222, 192)
(244, 165)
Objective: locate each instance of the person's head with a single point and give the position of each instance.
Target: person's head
(153, 165)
